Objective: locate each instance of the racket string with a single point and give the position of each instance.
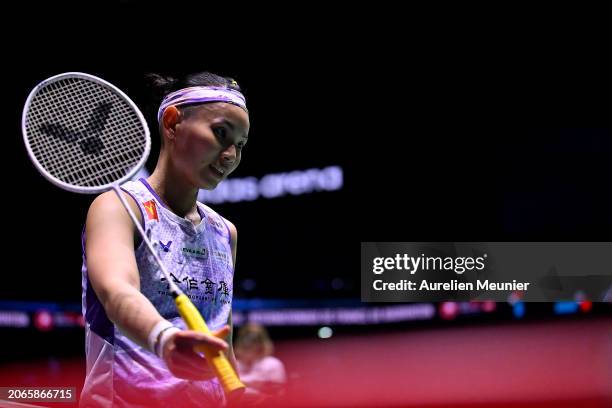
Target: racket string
(83, 133)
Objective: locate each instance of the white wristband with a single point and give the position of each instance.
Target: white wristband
(155, 331)
(165, 336)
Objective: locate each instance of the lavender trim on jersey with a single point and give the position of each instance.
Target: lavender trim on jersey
(83, 243)
(201, 213)
(143, 181)
(229, 233)
(142, 217)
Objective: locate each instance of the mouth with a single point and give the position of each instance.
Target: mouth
(217, 171)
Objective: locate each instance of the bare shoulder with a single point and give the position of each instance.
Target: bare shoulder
(233, 236)
(232, 229)
(107, 206)
(108, 221)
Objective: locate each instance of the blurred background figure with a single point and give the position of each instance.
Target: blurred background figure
(257, 367)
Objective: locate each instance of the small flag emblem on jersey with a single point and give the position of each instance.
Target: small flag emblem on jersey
(151, 210)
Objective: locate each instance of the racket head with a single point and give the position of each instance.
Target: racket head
(84, 134)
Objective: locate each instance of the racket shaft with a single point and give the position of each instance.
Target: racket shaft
(217, 360)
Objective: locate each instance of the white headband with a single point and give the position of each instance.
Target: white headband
(202, 94)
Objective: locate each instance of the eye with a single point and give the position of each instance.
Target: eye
(220, 132)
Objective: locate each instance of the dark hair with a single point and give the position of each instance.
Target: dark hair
(162, 85)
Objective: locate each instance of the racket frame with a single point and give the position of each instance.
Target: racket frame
(82, 189)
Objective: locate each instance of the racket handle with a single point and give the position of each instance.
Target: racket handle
(217, 360)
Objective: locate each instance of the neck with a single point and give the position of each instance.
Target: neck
(176, 193)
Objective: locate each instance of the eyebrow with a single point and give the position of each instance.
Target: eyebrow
(229, 124)
(232, 127)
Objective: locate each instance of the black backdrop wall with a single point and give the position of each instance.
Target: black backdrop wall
(488, 147)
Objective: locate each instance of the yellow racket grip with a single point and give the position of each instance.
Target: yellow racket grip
(217, 360)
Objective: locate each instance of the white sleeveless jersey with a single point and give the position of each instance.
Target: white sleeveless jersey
(199, 258)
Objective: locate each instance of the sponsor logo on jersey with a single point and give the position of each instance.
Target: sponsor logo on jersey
(215, 222)
(222, 256)
(195, 252)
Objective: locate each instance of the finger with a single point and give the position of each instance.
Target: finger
(222, 332)
(189, 339)
(190, 365)
(188, 357)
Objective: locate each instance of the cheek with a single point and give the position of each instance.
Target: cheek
(196, 148)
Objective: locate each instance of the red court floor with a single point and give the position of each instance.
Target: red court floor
(551, 364)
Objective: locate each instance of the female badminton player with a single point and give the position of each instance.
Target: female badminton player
(139, 353)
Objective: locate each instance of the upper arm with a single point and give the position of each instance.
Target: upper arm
(233, 240)
(230, 339)
(109, 246)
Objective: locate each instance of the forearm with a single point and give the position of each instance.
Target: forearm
(132, 312)
(230, 341)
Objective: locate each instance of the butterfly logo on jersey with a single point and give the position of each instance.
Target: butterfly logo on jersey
(88, 139)
(165, 247)
(151, 210)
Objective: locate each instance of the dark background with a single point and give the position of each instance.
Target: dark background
(443, 142)
(446, 131)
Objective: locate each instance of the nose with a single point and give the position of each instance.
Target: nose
(228, 156)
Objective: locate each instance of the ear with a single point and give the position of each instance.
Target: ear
(170, 118)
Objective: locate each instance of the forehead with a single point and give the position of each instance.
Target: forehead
(219, 111)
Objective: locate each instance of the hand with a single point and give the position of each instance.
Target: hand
(184, 362)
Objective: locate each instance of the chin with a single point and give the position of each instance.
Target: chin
(209, 184)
